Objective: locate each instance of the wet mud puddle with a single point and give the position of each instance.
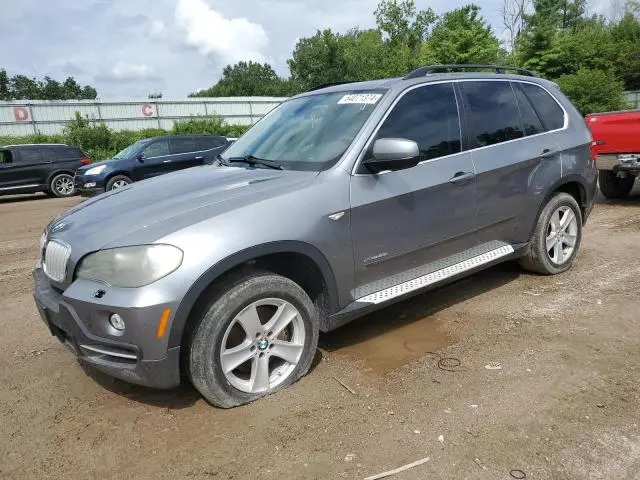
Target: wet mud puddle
(388, 339)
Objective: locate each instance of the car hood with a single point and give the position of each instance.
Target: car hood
(154, 208)
(108, 161)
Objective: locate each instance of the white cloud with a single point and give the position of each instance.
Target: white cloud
(157, 28)
(232, 39)
(131, 71)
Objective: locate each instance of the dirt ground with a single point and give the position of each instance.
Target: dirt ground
(564, 405)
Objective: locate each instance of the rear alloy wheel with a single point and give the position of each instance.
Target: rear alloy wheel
(556, 237)
(62, 185)
(117, 182)
(614, 186)
(257, 337)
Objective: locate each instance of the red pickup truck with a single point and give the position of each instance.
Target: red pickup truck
(616, 143)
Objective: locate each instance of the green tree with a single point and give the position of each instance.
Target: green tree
(626, 39)
(4, 84)
(593, 91)
(319, 60)
(20, 87)
(589, 46)
(462, 36)
(402, 24)
(548, 17)
(245, 79)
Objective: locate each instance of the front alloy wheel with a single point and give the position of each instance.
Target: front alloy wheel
(258, 335)
(262, 345)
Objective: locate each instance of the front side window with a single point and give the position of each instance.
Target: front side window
(156, 149)
(131, 149)
(494, 114)
(429, 116)
(310, 132)
(549, 111)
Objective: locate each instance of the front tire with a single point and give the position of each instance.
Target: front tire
(118, 181)
(614, 187)
(257, 336)
(62, 186)
(556, 237)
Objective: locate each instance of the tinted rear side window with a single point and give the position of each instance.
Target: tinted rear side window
(530, 120)
(28, 155)
(549, 111)
(207, 143)
(183, 145)
(429, 116)
(494, 115)
(61, 153)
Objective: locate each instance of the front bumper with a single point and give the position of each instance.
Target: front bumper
(116, 358)
(88, 186)
(629, 163)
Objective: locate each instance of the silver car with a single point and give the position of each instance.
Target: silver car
(339, 201)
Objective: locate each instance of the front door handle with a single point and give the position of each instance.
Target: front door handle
(548, 153)
(462, 177)
(199, 157)
(166, 161)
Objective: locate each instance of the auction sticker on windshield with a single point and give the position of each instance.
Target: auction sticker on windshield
(360, 98)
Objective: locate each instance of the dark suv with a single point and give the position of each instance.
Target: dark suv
(40, 168)
(149, 158)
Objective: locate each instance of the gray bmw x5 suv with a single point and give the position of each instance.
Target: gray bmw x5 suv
(339, 201)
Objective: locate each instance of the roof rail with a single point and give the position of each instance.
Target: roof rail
(423, 71)
(325, 85)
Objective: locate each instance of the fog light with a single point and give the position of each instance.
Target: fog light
(116, 322)
(90, 185)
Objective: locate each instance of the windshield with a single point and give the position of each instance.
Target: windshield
(127, 152)
(307, 133)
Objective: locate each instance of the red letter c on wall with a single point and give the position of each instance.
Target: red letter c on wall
(148, 110)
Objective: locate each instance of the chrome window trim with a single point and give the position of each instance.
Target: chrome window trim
(360, 157)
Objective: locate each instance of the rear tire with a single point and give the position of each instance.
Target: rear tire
(61, 185)
(257, 318)
(614, 187)
(118, 181)
(556, 237)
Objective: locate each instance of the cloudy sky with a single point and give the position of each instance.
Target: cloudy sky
(129, 48)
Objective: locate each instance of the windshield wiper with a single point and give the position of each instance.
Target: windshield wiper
(251, 160)
(221, 160)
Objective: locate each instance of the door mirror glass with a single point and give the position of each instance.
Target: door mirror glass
(393, 154)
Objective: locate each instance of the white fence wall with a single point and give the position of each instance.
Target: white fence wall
(49, 117)
(633, 98)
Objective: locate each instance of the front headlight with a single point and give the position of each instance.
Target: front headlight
(95, 170)
(130, 267)
(43, 241)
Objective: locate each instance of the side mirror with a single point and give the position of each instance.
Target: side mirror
(140, 158)
(393, 154)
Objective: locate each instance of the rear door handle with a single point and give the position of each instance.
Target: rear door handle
(166, 161)
(199, 157)
(462, 177)
(548, 153)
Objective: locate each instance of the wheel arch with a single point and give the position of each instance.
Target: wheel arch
(55, 173)
(115, 173)
(573, 185)
(260, 257)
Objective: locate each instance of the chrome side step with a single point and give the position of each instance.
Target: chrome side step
(437, 276)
